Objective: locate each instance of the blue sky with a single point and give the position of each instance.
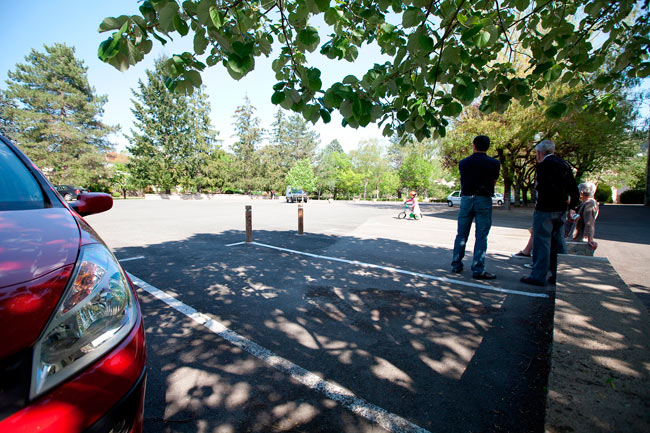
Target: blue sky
(27, 24)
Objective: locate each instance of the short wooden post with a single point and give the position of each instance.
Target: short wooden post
(249, 224)
(300, 214)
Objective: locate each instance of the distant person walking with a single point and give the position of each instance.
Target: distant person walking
(478, 175)
(556, 192)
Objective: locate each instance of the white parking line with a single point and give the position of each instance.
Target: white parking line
(131, 258)
(236, 243)
(345, 397)
(468, 249)
(402, 271)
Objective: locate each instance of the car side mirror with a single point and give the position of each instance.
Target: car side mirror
(89, 203)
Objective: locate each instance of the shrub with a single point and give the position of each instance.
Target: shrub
(603, 193)
(633, 196)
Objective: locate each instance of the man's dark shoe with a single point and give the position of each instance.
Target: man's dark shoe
(457, 270)
(528, 280)
(551, 279)
(484, 276)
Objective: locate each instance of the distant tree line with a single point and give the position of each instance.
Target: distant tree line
(53, 113)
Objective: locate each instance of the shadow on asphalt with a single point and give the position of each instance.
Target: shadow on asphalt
(445, 357)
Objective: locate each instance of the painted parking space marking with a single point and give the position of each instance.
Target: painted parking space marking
(389, 421)
(405, 272)
(468, 249)
(236, 243)
(128, 259)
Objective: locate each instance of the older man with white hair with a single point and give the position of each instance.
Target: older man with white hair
(556, 192)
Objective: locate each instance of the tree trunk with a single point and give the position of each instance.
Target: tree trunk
(365, 186)
(124, 192)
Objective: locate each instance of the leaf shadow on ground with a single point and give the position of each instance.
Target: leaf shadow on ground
(445, 357)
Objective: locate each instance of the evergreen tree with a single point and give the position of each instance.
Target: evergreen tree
(173, 139)
(54, 116)
(293, 138)
(6, 125)
(247, 167)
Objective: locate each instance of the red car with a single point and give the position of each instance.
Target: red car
(73, 354)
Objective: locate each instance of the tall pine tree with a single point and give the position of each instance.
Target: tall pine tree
(173, 140)
(249, 133)
(54, 115)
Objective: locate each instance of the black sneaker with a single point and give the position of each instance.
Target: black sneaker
(457, 270)
(551, 279)
(528, 280)
(484, 276)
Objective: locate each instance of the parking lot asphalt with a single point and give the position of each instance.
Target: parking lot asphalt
(355, 326)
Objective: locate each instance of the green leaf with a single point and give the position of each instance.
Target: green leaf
(325, 115)
(180, 25)
(109, 23)
(556, 110)
(193, 77)
(482, 39)
(644, 70)
(278, 97)
(426, 42)
(452, 109)
(323, 5)
(468, 34)
(216, 17)
(521, 5)
(543, 67)
(332, 99)
(309, 38)
(166, 17)
(200, 42)
(411, 17)
(332, 16)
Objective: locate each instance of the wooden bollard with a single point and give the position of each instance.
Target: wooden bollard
(300, 213)
(249, 224)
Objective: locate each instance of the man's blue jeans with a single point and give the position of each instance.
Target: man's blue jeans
(479, 209)
(548, 242)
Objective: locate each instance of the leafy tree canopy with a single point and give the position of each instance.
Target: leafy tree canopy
(444, 53)
(301, 176)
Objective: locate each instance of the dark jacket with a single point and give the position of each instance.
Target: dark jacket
(478, 174)
(556, 187)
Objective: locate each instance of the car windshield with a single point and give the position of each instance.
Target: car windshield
(19, 189)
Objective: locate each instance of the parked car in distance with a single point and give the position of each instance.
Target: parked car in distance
(454, 199)
(69, 192)
(73, 355)
(293, 195)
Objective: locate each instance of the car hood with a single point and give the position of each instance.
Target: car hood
(36, 242)
(38, 249)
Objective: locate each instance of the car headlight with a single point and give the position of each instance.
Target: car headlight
(95, 313)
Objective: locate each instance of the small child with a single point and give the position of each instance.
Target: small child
(412, 202)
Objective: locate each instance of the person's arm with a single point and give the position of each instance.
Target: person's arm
(572, 189)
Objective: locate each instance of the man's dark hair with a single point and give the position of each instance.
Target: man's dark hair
(482, 143)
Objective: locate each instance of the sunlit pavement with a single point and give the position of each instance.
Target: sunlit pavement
(363, 301)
